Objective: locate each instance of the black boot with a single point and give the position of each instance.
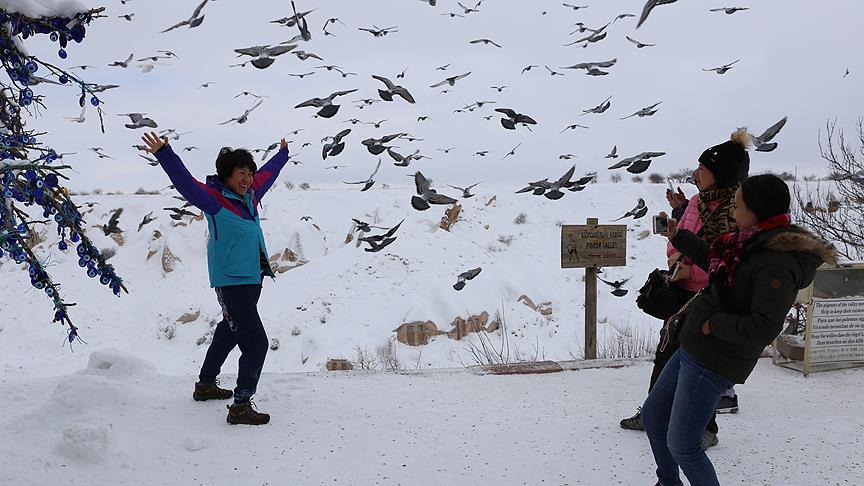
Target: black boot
(210, 391)
(634, 422)
(244, 413)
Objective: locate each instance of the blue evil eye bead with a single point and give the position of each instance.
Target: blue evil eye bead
(62, 246)
(91, 273)
(51, 180)
(39, 183)
(63, 79)
(49, 290)
(28, 93)
(59, 315)
(105, 280)
(81, 250)
(87, 258)
(31, 66)
(8, 193)
(54, 36)
(58, 217)
(1, 253)
(30, 174)
(39, 284)
(94, 101)
(74, 237)
(62, 54)
(82, 263)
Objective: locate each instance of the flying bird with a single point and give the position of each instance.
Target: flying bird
(147, 220)
(593, 68)
(426, 195)
(513, 118)
(368, 183)
(638, 163)
(638, 44)
(263, 55)
(617, 291)
(193, 21)
(378, 32)
(647, 111)
(244, 117)
(722, 69)
(466, 191)
(377, 242)
(512, 151)
(111, 226)
(328, 109)
(649, 6)
(122, 64)
(763, 142)
(613, 154)
(640, 210)
(484, 41)
(451, 80)
(729, 10)
(573, 127)
(464, 277)
(470, 10)
(139, 121)
(602, 107)
(392, 89)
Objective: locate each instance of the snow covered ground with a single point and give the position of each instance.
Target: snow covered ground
(344, 298)
(118, 421)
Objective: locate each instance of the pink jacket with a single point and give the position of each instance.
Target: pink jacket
(691, 221)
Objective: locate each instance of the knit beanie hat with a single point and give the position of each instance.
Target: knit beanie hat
(766, 195)
(729, 161)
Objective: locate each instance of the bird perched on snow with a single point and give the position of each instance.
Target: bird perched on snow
(616, 286)
(378, 242)
(640, 210)
(722, 69)
(193, 21)
(368, 183)
(729, 10)
(139, 121)
(263, 55)
(113, 221)
(328, 109)
(148, 218)
(451, 80)
(335, 146)
(466, 191)
(647, 111)
(638, 163)
(465, 276)
(392, 89)
(514, 118)
(426, 195)
(763, 142)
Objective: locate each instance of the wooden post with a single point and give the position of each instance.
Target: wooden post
(591, 307)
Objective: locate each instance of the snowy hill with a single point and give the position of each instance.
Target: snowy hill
(344, 298)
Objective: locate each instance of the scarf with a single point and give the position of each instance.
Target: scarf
(725, 253)
(719, 221)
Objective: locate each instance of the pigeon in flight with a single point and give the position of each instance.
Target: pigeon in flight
(139, 121)
(152, 162)
(649, 6)
(574, 7)
(336, 146)
(244, 117)
(377, 242)
(513, 118)
(392, 89)
(303, 55)
(328, 109)
(613, 154)
(122, 64)
(465, 276)
(573, 127)
(193, 21)
(512, 151)
(640, 210)
(599, 108)
(470, 10)
(292, 20)
(148, 218)
(466, 191)
(724, 68)
(638, 44)
(593, 68)
(528, 68)
(484, 41)
(451, 80)
(426, 195)
(368, 183)
(112, 227)
(580, 184)
(207, 84)
(376, 146)
(763, 142)
(553, 191)
(80, 118)
(263, 55)
(301, 75)
(638, 163)
(498, 88)
(378, 32)
(729, 10)
(616, 286)
(178, 213)
(647, 111)
(305, 33)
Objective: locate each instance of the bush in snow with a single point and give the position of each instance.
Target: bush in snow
(505, 240)
(637, 179)
(656, 178)
(615, 178)
(364, 359)
(305, 186)
(388, 356)
(522, 218)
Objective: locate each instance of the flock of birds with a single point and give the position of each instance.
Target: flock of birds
(396, 90)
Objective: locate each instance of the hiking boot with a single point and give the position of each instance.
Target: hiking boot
(210, 391)
(245, 413)
(709, 439)
(728, 404)
(634, 422)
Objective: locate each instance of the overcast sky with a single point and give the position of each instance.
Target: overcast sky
(793, 56)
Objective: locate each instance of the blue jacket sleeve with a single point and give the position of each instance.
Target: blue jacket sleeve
(268, 173)
(194, 191)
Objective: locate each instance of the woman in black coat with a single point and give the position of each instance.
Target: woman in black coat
(755, 274)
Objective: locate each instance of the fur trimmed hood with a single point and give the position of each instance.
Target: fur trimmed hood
(809, 250)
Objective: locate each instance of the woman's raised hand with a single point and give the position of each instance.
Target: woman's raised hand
(153, 142)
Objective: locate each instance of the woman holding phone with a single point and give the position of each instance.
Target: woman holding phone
(707, 214)
(755, 272)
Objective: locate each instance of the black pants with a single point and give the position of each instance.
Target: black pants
(661, 357)
(240, 326)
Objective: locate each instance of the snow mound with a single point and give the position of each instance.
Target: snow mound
(193, 444)
(85, 442)
(115, 364)
(78, 394)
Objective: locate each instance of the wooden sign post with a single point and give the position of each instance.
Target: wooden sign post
(591, 246)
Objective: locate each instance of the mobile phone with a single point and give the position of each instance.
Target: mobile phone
(661, 224)
(674, 273)
(670, 185)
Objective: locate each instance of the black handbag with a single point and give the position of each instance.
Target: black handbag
(672, 325)
(659, 298)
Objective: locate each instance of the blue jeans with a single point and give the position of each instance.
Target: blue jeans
(675, 415)
(241, 327)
